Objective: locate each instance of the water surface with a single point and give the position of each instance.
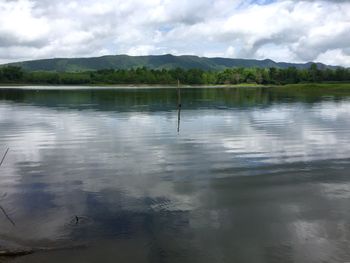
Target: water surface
(253, 175)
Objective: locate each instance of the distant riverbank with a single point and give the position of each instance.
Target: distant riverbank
(321, 86)
(246, 77)
(131, 86)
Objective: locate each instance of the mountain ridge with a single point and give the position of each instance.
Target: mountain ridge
(167, 61)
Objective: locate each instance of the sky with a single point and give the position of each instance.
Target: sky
(282, 30)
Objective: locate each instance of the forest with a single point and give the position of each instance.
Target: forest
(143, 75)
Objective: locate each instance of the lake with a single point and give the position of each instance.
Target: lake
(106, 174)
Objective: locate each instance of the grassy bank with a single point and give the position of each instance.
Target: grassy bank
(333, 85)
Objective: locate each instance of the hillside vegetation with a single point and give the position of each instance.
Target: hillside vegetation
(151, 62)
(273, 76)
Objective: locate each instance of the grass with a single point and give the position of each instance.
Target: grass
(325, 86)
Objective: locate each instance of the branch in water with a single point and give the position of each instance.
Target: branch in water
(1, 208)
(27, 251)
(16, 253)
(7, 216)
(3, 158)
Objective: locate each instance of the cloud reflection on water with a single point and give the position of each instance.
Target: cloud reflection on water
(256, 184)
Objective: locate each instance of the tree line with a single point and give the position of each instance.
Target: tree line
(274, 76)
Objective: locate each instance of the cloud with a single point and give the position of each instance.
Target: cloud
(284, 30)
(334, 57)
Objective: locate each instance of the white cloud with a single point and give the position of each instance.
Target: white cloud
(334, 57)
(141, 50)
(283, 30)
(18, 26)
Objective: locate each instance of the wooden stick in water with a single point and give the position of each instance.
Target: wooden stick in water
(178, 94)
(178, 119)
(178, 105)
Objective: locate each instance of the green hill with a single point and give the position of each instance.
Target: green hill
(152, 62)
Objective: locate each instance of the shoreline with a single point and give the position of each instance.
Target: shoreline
(132, 85)
(170, 86)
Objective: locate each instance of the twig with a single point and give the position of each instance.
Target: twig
(7, 216)
(3, 158)
(2, 209)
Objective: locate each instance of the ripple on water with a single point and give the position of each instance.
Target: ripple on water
(264, 174)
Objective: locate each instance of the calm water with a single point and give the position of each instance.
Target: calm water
(253, 175)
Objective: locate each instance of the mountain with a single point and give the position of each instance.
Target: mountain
(153, 62)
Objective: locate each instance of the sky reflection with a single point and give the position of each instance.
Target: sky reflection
(251, 184)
